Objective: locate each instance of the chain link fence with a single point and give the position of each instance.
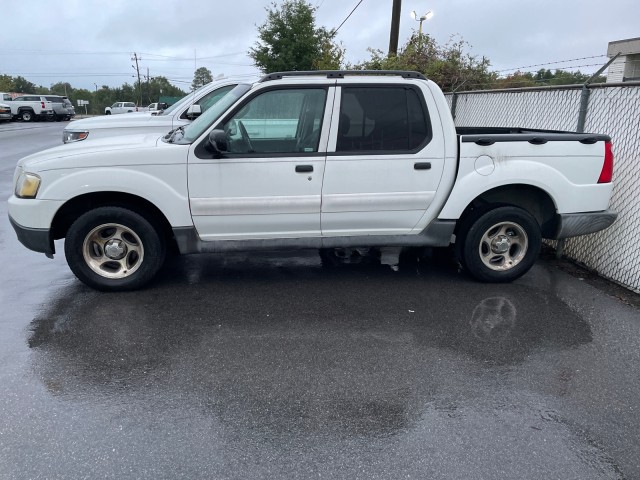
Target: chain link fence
(612, 109)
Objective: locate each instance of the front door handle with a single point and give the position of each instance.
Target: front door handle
(422, 166)
(304, 168)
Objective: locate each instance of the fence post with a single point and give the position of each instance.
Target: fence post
(584, 105)
(582, 118)
(454, 104)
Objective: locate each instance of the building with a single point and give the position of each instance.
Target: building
(625, 68)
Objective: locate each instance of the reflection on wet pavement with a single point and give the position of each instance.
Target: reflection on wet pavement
(266, 350)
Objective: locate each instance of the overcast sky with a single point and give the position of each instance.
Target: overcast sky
(91, 42)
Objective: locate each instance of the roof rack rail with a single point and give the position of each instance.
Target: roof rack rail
(341, 74)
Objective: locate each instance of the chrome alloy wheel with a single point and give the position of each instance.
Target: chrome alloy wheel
(503, 246)
(113, 251)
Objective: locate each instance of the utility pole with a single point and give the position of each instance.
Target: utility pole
(135, 58)
(148, 86)
(395, 27)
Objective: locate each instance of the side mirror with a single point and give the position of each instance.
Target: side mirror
(218, 142)
(194, 111)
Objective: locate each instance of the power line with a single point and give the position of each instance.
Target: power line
(354, 9)
(563, 68)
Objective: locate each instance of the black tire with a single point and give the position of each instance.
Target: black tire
(108, 112)
(500, 244)
(57, 117)
(137, 249)
(27, 116)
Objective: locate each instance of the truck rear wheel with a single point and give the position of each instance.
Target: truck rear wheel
(499, 245)
(113, 248)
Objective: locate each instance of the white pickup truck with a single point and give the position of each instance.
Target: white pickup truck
(314, 160)
(29, 108)
(180, 113)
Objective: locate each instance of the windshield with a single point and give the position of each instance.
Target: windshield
(183, 100)
(204, 121)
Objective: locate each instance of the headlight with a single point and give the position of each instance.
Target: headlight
(27, 185)
(69, 136)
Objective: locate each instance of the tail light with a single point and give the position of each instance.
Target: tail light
(42, 103)
(607, 167)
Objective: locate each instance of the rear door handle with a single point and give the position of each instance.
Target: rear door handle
(422, 166)
(304, 168)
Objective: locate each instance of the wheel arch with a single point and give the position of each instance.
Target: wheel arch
(81, 204)
(537, 202)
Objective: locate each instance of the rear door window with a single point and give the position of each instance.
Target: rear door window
(382, 119)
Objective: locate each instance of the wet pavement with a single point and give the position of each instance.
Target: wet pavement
(273, 365)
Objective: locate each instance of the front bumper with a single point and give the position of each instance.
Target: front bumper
(574, 224)
(36, 239)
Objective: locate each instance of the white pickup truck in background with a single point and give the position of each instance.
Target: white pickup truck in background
(29, 108)
(121, 107)
(333, 159)
(178, 114)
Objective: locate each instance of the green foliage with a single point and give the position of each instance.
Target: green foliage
(61, 88)
(201, 77)
(451, 66)
(290, 40)
(22, 85)
(545, 77)
(6, 83)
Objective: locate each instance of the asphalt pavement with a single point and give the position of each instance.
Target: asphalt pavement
(273, 365)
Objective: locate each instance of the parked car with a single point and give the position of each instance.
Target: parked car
(5, 112)
(314, 160)
(120, 107)
(178, 114)
(62, 107)
(30, 108)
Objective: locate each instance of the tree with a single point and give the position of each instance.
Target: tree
(61, 88)
(160, 86)
(201, 77)
(22, 85)
(290, 40)
(451, 66)
(6, 83)
(544, 77)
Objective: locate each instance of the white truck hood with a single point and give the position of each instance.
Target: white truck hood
(140, 119)
(84, 151)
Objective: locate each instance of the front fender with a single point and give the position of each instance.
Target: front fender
(163, 185)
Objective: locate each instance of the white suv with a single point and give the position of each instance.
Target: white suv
(121, 107)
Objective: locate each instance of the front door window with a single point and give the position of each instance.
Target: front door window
(278, 121)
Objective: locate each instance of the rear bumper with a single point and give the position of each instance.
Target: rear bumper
(574, 224)
(36, 239)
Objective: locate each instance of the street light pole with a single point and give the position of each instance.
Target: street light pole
(422, 18)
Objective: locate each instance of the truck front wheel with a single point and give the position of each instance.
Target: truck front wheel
(113, 248)
(499, 245)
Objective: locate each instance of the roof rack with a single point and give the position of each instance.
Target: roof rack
(341, 74)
